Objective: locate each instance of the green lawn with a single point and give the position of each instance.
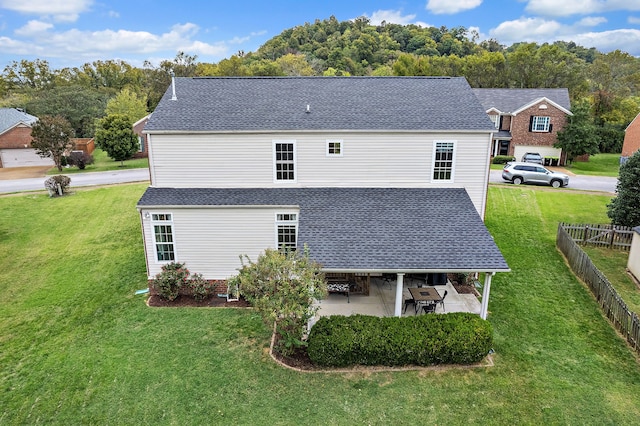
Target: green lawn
(102, 163)
(613, 264)
(598, 165)
(78, 347)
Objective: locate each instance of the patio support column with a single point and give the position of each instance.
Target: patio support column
(485, 295)
(399, 285)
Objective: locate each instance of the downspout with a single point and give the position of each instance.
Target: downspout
(485, 295)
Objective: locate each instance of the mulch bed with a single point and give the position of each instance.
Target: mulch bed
(465, 289)
(187, 301)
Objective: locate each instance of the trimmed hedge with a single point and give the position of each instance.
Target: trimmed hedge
(454, 338)
(502, 159)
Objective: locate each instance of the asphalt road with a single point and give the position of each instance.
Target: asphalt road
(81, 179)
(587, 183)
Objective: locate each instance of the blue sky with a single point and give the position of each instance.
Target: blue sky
(72, 32)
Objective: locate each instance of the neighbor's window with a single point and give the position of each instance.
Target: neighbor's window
(163, 236)
(443, 153)
(540, 124)
(334, 148)
(284, 159)
(286, 231)
(495, 119)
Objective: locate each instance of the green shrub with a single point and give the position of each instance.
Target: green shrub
(57, 185)
(200, 288)
(454, 338)
(172, 278)
(502, 159)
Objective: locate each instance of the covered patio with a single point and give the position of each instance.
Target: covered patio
(381, 300)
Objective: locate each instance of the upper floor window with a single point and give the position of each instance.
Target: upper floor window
(443, 159)
(163, 236)
(334, 148)
(286, 231)
(540, 124)
(284, 160)
(495, 119)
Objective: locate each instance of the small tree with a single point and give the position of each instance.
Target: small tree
(52, 137)
(115, 136)
(129, 104)
(283, 286)
(624, 209)
(579, 136)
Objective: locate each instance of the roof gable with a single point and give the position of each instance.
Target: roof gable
(11, 117)
(511, 101)
(318, 104)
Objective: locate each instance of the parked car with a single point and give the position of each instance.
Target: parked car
(533, 157)
(518, 172)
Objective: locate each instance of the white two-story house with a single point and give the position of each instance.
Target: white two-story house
(372, 174)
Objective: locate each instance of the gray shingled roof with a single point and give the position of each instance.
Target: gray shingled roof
(510, 100)
(9, 117)
(375, 229)
(335, 103)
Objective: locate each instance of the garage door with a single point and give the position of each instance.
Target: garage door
(545, 151)
(23, 158)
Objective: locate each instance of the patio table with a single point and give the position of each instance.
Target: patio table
(424, 295)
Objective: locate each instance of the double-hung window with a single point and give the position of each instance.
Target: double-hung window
(284, 161)
(443, 160)
(286, 231)
(540, 124)
(163, 236)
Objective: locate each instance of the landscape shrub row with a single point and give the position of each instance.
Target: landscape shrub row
(502, 159)
(453, 338)
(175, 278)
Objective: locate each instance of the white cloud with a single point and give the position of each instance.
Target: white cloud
(540, 31)
(525, 29)
(113, 14)
(633, 20)
(33, 28)
(592, 21)
(390, 16)
(60, 10)
(451, 7)
(579, 7)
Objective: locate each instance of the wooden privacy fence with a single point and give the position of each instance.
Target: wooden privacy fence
(624, 320)
(618, 237)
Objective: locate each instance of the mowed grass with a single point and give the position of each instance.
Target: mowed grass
(613, 264)
(598, 165)
(103, 163)
(78, 347)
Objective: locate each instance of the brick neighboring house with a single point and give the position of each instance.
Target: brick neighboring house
(138, 127)
(15, 140)
(528, 120)
(631, 139)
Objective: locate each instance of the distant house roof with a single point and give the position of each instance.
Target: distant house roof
(319, 104)
(372, 229)
(11, 117)
(512, 100)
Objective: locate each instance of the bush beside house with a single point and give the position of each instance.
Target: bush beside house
(454, 338)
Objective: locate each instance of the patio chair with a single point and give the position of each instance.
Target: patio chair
(408, 302)
(429, 308)
(441, 302)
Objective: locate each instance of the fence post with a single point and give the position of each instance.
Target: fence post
(586, 234)
(611, 238)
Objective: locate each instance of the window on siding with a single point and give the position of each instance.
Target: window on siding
(163, 236)
(540, 124)
(495, 119)
(334, 148)
(286, 231)
(443, 156)
(284, 157)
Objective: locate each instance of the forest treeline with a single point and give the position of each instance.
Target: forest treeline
(609, 84)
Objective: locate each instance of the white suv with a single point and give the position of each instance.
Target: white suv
(518, 173)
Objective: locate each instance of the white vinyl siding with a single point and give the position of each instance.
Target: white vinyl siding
(210, 240)
(373, 159)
